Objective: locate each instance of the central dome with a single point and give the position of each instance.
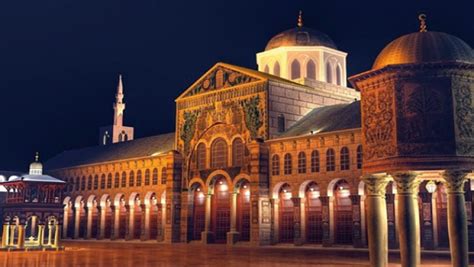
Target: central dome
(424, 47)
(300, 36)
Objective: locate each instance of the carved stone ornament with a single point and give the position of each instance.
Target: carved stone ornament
(407, 183)
(376, 184)
(378, 125)
(454, 180)
(464, 119)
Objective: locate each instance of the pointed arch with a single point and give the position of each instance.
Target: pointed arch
(295, 69)
(338, 75)
(276, 69)
(329, 78)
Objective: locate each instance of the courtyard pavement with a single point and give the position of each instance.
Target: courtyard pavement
(130, 254)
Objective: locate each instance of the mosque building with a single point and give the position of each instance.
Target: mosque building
(289, 153)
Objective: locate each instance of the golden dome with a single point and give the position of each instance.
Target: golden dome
(424, 47)
(300, 36)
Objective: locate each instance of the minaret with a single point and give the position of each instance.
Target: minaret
(119, 106)
(117, 132)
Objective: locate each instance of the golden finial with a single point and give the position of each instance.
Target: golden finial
(37, 156)
(422, 18)
(300, 19)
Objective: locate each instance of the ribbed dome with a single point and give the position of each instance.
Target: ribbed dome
(300, 36)
(424, 47)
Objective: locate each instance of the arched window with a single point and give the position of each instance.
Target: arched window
(266, 69)
(163, 175)
(147, 177)
(276, 69)
(315, 165)
(201, 156)
(281, 123)
(77, 185)
(124, 180)
(96, 182)
(301, 162)
(237, 152)
(328, 73)
(219, 153)
(287, 164)
(330, 160)
(338, 75)
(359, 157)
(295, 69)
(109, 180)
(311, 70)
(131, 179)
(139, 178)
(102, 181)
(83, 183)
(117, 180)
(275, 165)
(155, 176)
(345, 160)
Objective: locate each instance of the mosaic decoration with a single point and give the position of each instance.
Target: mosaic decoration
(220, 78)
(253, 115)
(189, 127)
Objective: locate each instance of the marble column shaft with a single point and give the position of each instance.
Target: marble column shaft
(408, 218)
(377, 219)
(457, 218)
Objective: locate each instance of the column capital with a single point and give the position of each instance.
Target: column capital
(376, 184)
(406, 182)
(454, 180)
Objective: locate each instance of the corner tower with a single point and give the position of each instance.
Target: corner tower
(117, 132)
(304, 55)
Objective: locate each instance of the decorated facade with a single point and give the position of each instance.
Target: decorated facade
(285, 154)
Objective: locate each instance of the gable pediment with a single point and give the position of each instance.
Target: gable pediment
(219, 77)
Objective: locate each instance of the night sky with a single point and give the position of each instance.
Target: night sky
(59, 59)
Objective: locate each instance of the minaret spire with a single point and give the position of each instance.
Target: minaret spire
(119, 106)
(300, 19)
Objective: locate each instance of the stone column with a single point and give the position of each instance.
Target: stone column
(207, 235)
(50, 233)
(116, 226)
(6, 228)
(102, 213)
(427, 222)
(131, 223)
(66, 221)
(297, 220)
(146, 223)
(457, 219)
(233, 235)
(89, 222)
(408, 218)
(21, 236)
(12, 235)
(56, 236)
(327, 242)
(41, 234)
(377, 218)
(77, 220)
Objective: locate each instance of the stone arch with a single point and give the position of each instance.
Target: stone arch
(276, 69)
(216, 174)
(277, 187)
(90, 201)
(132, 198)
(332, 184)
(241, 178)
(79, 201)
(118, 197)
(147, 200)
(103, 200)
(303, 186)
(361, 188)
(67, 201)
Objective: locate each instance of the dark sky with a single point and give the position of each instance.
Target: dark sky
(59, 59)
